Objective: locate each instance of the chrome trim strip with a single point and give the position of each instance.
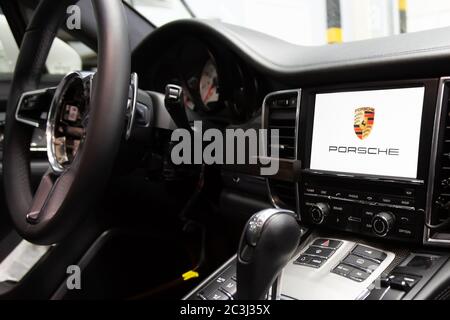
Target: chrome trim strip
(271, 196)
(363, 176)
(427, 239)
(19, 104)
(264, 125)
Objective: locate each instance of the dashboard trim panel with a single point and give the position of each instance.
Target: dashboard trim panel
(264, 125)
(434, 151)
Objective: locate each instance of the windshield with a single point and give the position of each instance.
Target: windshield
(308, 22)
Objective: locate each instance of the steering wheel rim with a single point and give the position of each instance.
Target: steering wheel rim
(63, 199)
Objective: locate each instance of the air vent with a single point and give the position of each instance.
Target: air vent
(280, 112)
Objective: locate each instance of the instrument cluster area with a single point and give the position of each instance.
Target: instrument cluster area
(216, 85)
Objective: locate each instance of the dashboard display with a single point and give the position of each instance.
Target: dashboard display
(374, 132)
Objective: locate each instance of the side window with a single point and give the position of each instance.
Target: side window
(66, 55)
(8, 47)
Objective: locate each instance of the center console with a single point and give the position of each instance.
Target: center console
(366, 169)
(369, 157)
(366, 153)
(329, 268)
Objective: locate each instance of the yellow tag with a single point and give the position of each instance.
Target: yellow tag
(190, 275)
(334, 35)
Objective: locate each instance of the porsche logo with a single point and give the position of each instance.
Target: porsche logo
(364, 121)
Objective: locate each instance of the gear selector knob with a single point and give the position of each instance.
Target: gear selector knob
(269, 240)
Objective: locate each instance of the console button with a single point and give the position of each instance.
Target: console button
(343, 270)
(406, 202)
(369, 253)
(406, 218)
(353, 196)
(405, 232)
(369, 197)
(230, 287)
(361, 263)
(341, 208)
(368, 214)
(403, 282)
(358, 275)
(220, 280)
(310, 190)
(353, 223)
(316, 262)
(337, 194)
(387, 200)
(303, 259)
(409, 192)
(327, 243)
(217, 295)
(366, 227)
(319, 252)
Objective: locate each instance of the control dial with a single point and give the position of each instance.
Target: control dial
(319, 212)
(382, 223)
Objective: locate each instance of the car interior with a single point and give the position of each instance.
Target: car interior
(93, 204)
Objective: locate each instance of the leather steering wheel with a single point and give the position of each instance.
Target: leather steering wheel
(84, 124)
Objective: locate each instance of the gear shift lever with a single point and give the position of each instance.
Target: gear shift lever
(268, 242)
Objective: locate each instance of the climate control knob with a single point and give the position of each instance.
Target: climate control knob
(319, 212)
(382, 223)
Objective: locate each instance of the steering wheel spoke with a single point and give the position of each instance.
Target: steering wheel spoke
(49, 196)
(33, 107)
(40, 197)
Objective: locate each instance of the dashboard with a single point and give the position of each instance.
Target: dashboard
(364, 131)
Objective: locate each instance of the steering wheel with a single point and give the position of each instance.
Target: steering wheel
(84, 123)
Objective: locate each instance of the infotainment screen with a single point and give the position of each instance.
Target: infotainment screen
(374, 132)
